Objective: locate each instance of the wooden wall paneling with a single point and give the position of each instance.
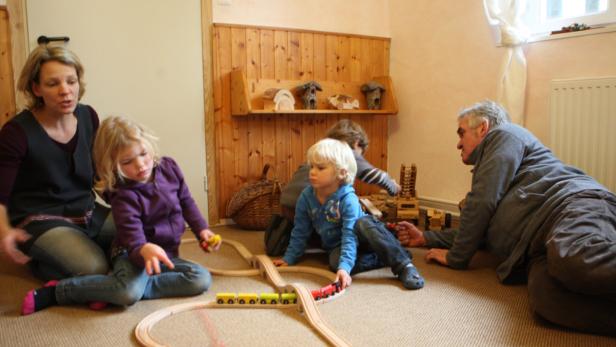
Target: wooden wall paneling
(255, 123)
(386, 50)
(267, 53)
(296, 146)
(298, 123)
(294, 56)
(355, 59)
(247, 142)
(331, 60)
(7, 90)
(310, 134)
(253, 53)
(269, 145)
(281, 39)
(278, 127)
(319, 60)
(226, 150)
(240, 125)
(216, 181)
(307, 52)
(343, 59)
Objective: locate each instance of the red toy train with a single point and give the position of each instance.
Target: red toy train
(326, 292)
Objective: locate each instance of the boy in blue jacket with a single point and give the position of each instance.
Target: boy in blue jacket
(330, 207)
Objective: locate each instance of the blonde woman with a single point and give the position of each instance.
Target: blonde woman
(48, 215)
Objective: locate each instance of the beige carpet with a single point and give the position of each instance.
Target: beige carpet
(456, 308)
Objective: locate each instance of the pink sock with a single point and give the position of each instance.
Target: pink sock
(29, 304)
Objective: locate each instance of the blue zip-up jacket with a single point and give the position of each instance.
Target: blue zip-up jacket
(333, 221)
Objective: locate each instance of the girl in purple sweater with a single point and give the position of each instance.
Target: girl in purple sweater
(150, 203)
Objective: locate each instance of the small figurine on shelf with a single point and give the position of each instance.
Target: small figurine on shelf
(278, 100)
(343, 102)
(373, 91)
(309, 94)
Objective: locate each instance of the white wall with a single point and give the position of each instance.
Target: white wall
(443, 58)
(142, 59)
(364, 17)
(2, 2)
(446, 60)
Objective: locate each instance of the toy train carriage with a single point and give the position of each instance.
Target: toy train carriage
(247, 298)
(288, 298)
(226, 298)
(253, 298)
(326, 292)
(269, 298)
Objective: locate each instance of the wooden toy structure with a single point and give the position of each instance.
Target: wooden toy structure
(407, 204)
(404, 206)
(262, 265)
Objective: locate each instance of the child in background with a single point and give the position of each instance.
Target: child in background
(330, 207)
(354, 135)
(150, 203)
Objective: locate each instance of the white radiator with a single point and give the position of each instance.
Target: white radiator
(583, 126)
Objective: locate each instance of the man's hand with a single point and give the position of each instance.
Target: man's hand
(439, 255)
(409, 235)
(152, 256)
(279, 262)
(9, 238)
(343, 278)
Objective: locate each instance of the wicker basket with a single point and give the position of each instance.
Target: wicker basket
(254, 204)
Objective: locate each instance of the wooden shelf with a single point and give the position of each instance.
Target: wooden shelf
(247, 96)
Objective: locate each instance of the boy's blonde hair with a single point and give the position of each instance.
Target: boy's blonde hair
(115, 134)
(336, 153)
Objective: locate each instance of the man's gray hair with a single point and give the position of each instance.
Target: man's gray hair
(489, 110)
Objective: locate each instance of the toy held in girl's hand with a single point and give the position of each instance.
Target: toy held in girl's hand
(211, 242)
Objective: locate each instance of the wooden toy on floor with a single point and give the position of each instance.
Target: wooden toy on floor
(211, 242)
(262, 265)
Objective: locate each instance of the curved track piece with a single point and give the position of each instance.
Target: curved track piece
(262, 266)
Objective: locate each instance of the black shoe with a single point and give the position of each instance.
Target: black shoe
(410, 277)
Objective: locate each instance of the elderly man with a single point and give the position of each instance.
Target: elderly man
(548, 223)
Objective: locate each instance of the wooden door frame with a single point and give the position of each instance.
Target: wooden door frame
(19, 43)
(208, 97)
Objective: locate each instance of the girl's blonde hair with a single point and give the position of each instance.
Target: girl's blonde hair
(115, 134)
(336, 153)
(31, 72)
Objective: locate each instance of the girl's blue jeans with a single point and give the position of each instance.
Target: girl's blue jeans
(129, 284)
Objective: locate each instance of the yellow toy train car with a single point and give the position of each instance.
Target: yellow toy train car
(253, 298)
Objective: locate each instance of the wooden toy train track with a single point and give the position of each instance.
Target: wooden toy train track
(261, 265)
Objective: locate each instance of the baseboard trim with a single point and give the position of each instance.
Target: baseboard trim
(447, 206)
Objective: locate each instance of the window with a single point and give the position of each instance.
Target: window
(543, 16)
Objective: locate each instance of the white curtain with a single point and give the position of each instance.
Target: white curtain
(511, 87)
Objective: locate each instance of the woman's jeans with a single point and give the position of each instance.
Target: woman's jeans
(65, 251)
(129, 284)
